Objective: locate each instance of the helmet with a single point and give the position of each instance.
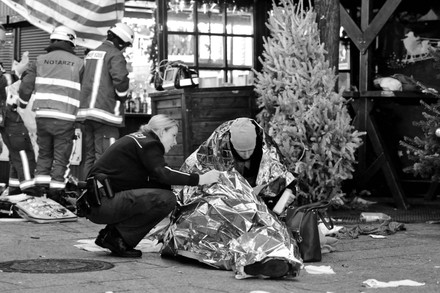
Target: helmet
(63, 33)
(124, 32)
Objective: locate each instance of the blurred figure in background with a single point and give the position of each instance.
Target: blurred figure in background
(13, 131)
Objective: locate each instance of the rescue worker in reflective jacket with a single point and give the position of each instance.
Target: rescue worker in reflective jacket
(54, 79)
(104, 92)
(15, 135)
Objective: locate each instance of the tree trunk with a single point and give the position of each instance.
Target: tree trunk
(327, 14)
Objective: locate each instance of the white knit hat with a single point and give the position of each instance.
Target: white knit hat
(243, 134)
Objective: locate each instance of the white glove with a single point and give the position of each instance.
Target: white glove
(12, 93)
(20, 67)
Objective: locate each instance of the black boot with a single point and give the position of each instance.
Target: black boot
(66, 199)
(268, 267)
(110, 238)
(101, 234)
(40, 191)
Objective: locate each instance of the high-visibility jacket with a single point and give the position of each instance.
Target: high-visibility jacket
(105, 86)
(55, 80)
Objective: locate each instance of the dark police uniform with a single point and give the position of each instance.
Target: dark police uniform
(141, 180)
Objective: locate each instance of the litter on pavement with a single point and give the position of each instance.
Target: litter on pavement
(373, 283)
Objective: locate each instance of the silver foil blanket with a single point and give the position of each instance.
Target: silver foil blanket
(215, 153)
(226, 226)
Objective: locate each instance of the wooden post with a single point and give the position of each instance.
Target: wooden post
(364, 36)
(327, 14)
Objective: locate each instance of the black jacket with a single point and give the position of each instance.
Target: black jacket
(137, 161)
(7, 112)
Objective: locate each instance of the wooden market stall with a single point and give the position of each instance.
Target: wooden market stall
(370, 32)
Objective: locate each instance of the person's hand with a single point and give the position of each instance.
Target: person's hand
(285, 200)
(209, 177)
(292, 196)
(257, 189)
(20, 67)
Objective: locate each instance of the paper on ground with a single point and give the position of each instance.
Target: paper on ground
(373, 283)
(145, 245)
(319, 270)
(327, 231)
(15, 198)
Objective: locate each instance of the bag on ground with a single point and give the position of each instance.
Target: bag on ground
(303, 223)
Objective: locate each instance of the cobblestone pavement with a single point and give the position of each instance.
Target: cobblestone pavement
(412, 254)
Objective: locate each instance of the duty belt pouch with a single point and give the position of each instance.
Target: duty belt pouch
(102, 183)
(82, 205)
(93, 195)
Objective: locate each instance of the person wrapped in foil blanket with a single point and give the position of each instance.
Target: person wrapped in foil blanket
(229, 225)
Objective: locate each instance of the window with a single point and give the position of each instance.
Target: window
(214, 37)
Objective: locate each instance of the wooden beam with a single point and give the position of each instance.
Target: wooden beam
(328, 19)
(350, 27)
(363, 38)
(379, 21)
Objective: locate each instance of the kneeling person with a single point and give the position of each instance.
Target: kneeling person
(141, 182)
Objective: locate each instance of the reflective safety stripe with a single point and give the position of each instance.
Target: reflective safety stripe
(54, 114)
(57, 185)
(116, 110)
(57, 98)
(13, 182)
(42, 179)
(100, 114)
(58, 82)
(96, 81)
(121, 94)
(176, 171)
(27, 184)
(23, 102)
(25, 163)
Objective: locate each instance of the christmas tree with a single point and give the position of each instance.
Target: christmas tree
(425, 151)
(299, 106)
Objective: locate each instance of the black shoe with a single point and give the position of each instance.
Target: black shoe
(40, 191)
(32, 191)
(269, 267)
(111, 239)
(101, 234)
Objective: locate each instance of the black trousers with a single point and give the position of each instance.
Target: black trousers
(134, 212)
(21, 154)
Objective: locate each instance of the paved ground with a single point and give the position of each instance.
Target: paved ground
(412, 254)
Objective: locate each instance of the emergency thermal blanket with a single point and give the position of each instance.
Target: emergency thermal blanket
(226, 225)
(216, 153)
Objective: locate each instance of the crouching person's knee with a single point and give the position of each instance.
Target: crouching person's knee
(168, 201)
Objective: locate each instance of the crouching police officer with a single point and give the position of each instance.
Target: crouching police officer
(129, 186)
